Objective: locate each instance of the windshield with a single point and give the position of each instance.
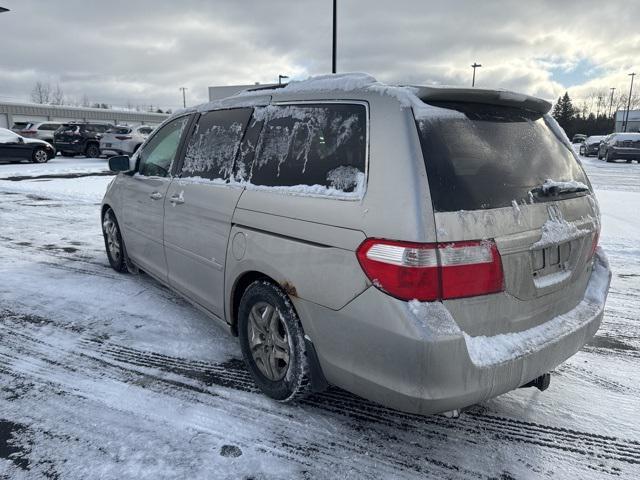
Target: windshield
(487, 156)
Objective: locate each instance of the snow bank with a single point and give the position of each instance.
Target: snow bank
(487, 351)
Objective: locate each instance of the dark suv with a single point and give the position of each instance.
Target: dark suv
(80, 138)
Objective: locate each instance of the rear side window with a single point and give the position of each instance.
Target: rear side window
(482, 156)
(214, 143)
(48, 126)
(314, 145)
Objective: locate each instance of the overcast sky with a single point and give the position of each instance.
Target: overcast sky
(141, 52)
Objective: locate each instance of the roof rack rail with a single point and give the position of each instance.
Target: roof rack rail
(265, 87)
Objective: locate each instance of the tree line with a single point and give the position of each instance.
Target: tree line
(44, 94)
(582, 119)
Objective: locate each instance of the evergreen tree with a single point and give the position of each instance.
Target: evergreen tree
(564, 112)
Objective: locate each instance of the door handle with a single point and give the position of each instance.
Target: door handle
(156, 196)
(177, 199)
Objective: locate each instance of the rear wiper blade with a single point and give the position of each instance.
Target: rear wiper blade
(552, 188)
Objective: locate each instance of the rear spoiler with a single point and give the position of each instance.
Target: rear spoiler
(479, 95)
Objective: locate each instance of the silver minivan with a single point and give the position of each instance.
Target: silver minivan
(425, 248)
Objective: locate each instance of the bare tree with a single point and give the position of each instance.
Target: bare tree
(41, 92)
(85, 100)
(57, 96)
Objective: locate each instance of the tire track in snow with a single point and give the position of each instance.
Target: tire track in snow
(35, 357)
(117, 360)
(232, 374)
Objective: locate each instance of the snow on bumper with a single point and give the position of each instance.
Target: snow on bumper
(486, 351)
(414, 357)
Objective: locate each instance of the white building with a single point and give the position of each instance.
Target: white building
(634, 121)
(217, 93)
(12, 112)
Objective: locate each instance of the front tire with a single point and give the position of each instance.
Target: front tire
(116, 252)
(40, 155)
(608, 158)
(272, 342)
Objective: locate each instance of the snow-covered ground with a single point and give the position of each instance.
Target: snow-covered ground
(112, 376)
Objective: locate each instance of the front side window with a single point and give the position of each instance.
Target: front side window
(214, 143)
(156, 156)
(317, 145)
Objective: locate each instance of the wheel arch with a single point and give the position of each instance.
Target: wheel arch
(240, 285)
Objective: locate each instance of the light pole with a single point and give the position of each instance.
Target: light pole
(613, 89)
(184, 96)
(474, 66)
(280, 78)
(626, 121)
(335, 36)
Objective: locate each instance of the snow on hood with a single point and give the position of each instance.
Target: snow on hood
(35, 140)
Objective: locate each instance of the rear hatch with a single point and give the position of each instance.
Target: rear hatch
(115, 136)
(500, 170)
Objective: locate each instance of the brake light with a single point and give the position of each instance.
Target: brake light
(594, 242)
(28, 132)
(124, 137)
(432, 271)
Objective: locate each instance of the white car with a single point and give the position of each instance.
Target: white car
(40, 130)
(123, 140)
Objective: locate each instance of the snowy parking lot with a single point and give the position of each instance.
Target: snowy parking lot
(104, 375)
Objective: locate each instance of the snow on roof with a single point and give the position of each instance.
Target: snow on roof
(407, 96)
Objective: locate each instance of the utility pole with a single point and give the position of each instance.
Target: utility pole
(474, 66)
(280, 78)
(598, 107)
(613, 89)
(335, 36)
(626, 121)
(184, 96)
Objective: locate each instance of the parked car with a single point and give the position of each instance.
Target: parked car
(124, 140)
(40, 130)
(14, 148)
(620, 146)
(348, 236)
(578, 138)
(19, 126)
(73, 139)
(591, 145)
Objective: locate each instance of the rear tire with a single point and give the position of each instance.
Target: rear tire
(92, 151)
(608, 158)
(272, 342)
(113, 243)
(40, 155)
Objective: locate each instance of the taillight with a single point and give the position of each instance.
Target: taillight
(594, 242)
(123, 137)
(432, 271)
(28, 132)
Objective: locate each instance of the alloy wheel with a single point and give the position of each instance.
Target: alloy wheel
(41, 156)
(269, 341)
(111, 233)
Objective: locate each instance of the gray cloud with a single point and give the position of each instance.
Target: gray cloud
(141, 52)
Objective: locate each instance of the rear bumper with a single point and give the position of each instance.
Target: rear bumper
(113, 151)
(413, 357)
(624, 153)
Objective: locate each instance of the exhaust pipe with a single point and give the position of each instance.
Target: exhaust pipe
(541, 383)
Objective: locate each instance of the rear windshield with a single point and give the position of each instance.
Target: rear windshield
(119, 130)
(481, 156)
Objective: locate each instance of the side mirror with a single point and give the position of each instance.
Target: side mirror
(20, 140)
(120, 163)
